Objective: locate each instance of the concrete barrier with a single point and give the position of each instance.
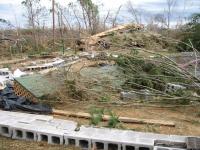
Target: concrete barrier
(47, 132)
(5, 130)
(50, 138)
(24, 131)
(6, 124)
(83, 142)
(166, 148)
(105, 139)
(32, 127)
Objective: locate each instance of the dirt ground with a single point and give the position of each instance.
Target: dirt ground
(9, 144)
(187, 119)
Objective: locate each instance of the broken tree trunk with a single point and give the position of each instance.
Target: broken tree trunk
(122, 119)
(92, 40)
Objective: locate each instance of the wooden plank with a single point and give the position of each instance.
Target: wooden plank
(122, 119)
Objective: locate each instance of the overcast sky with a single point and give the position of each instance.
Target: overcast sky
(12, 10)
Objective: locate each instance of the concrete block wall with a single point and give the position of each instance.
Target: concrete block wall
(106, 139)
(24, 131)
(22, 134)
(5, 130)
(166, 148)
(6, 124)
(50, 138)
(32, 127)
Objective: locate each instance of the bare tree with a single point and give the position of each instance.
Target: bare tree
(74, 11)
(61, 25)
(90, 13)
(33, 9)
(53, 18)
(105, 20)
(115, 17)
(134, 12)
(169, 11)
(160, 20)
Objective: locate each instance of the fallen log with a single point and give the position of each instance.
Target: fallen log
(122, 119)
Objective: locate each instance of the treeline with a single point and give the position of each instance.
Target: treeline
(60, 27)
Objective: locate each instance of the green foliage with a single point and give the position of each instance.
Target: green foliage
(72, 91)
(191, 32)
(96, 116)
(134, 51)
(105, 98)
(146, 74)
(113, 121)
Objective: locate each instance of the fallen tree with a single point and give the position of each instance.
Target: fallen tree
(121, 119)
(154, 74)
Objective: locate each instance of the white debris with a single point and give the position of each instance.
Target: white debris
(55, 63)
(58, 62)
(115, 56)
(47, 70)
(173, 87)
(18, 73)
(84, 54)
(151, 56)
(6, 73)
(3, 82)
(33, 63)
(137, 95)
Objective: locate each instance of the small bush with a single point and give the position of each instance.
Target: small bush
(96, 116)
(114, 121)
(104, 99)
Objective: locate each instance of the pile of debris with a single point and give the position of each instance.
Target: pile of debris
(10, 101)
(125, 37)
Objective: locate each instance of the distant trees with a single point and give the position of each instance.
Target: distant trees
(134, 12)
(90, 13)
(191, 33)
(169, 11)
(114, 20)
(34, 12)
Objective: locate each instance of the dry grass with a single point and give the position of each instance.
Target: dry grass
(9, 144)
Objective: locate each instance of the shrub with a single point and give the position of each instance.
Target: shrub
(113, 121)
(96, 116)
